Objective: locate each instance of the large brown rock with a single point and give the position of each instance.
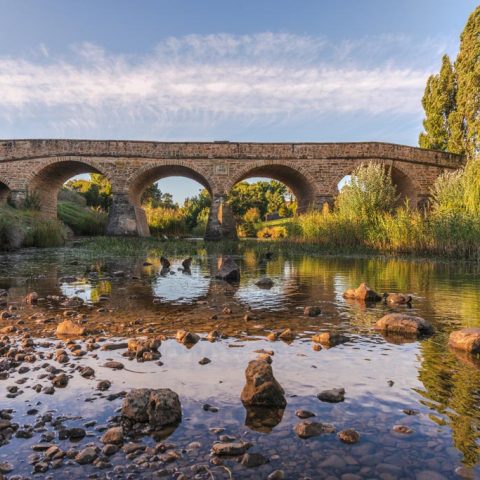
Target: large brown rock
(467, 339)
(330, 339)
(307, 429)
(68, 327)
(262, 389)
(404, 324)
(362, 292)
(157, 407)
(228, 270)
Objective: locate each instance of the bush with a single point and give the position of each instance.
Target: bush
(272, 232)
(165, 221)
(32, 202)
(370, 192)
(46, 233)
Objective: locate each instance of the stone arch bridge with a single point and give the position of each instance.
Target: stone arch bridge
(311, 170)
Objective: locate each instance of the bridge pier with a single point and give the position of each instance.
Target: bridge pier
(126, 219)
(221, 223)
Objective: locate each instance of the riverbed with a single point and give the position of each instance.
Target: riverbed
(419, 384)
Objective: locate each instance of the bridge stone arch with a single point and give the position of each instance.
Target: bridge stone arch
(48, 175)
(5, 190)
(298, 179)
(127, 216)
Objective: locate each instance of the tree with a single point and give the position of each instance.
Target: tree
(196, 209)
(438, 102)
(465, 120)
(154, 197)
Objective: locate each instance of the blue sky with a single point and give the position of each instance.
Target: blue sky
(274, 70)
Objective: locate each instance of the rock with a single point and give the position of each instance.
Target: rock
(114, 346)
(252, 460)
(402, 429)
(334, 395)
(265, 283)
(230, 448)
(262, 389)
(87, 455)
(204, 361)
(228, 270)
(467, 339)
(157, 407)
(187, 338)
(304, 414)
(349, 436)
(276, 475)
(103, 385)
(397, 299)
(308, 429)
(68, 327)
(287, 335)
(312, 311)
(113, 435)
(330, 339)
(187, 263)
(60, 381)
(401, 323)
(114, 365)
(364, 293)
(164, 262)
(31, 298)
(213, 336)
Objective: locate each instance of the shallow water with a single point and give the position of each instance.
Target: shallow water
(381, 376)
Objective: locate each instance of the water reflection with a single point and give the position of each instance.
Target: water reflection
(383, 375)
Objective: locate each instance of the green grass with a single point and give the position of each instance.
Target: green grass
(82, 220)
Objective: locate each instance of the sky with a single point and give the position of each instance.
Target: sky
(238, 70)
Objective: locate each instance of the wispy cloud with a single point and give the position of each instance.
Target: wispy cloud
(259, 77)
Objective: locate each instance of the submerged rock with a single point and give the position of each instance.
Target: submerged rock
(187, 338)
(362, 292)
(113, 435)
(230, 448)
(467, 339)
(157, 407)
(68, 327)
(165, 262)
(187, 263)
(262, 389)
(312, 311)
(252, 460)
(31, 298)
(309, 429)
(334, 395)
(349, 436)
(401, 323)
(397, 299)
(264, 282)
(228, 270)
(330, 339)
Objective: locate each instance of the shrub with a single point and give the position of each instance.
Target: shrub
(166, 221)
(370, 192)
(32, 201)
(46, 233)
(272, 232)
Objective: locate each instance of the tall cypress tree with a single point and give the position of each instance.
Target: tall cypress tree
(438, 102)
(465, 121)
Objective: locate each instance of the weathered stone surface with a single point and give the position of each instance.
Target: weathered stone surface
(334, 395)
(330, 339)
(312, 311)
(262, 389)
(313, 169)
(113, 435)
(68, 327)
(307, 429)
(228, 270)
(230, 448)
(349, 436)
(466, 339)
(187, 338)
(157, 407)
(401, 323)
(264, 282)
(397, 299)
(363, 292)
